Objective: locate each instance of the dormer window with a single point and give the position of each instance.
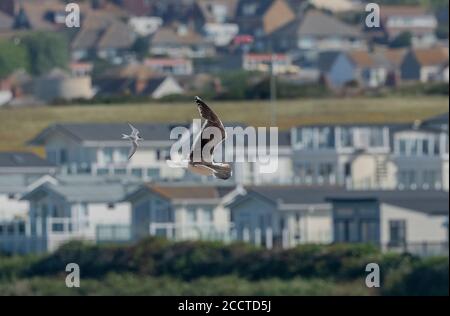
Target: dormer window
(250, 9)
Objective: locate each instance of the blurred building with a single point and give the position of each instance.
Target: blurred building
(66, 208)
(415, 20)
(180, 212)
(60, 85)
(425, 65)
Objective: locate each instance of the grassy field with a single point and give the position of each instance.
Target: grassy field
(21, 124)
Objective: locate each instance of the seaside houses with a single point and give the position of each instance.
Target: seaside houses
(353, 155)
(64, 208)
(97, 148)
(425, 65)
(396, 220)
(182, 211)
(284, 215)
(420, 153)
(18, 170)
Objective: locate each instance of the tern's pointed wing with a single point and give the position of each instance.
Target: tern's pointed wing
(132, 150)
(212, 120)
(134, 130)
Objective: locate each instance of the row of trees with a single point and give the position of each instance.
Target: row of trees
(37, 53)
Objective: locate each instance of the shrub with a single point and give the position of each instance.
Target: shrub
(426, 277)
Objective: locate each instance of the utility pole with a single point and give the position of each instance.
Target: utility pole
(273, 90)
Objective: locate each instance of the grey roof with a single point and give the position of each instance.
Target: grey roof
(438, 119)
(112, 131)
(22, 160)
(327, 59)
(103, 32)
(295, 194)
(16, 183)
(426, 201)
(88, 189)
(317, 23)
(106, 131)
(392, 126)
(6, 22)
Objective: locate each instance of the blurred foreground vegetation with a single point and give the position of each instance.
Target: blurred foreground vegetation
(159, 267)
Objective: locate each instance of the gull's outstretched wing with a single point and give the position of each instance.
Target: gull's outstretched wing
(134, 130)
(212, 120)
(132, 149)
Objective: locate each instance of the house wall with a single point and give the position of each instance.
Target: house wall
(420, 227)
(410, 68)
(341, 72)
(373, 171)
(64, 88)
(182, 220)
(415, 167)
(12, 207)
(102, 214)
(430, 73)
(299, 224)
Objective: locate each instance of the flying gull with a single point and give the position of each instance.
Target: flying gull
(134, 138)
(207, 166)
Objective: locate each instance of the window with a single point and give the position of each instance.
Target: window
(402, 147)
(84, 209)
(397, 232)
(407, 178)
(414, 143)
(376, 137)
(191, 215)
(347, 169)
(162, 154)
(426, 146)
(153, 173)
(368, 231)
(63, 156)
(108, 155)
(346, 137)
(325, 169)
(429, 178)
(120, 171)
(343, 230)
(208, 215)
(123, 154)
(326, 138)
(102, 171)
(136, 172)
(249, 9)
(307, 138)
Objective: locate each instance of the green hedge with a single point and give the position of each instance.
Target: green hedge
(190, 260)
(155, 259)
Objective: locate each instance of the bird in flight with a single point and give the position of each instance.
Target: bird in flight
(206, 165)
(134, 138)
